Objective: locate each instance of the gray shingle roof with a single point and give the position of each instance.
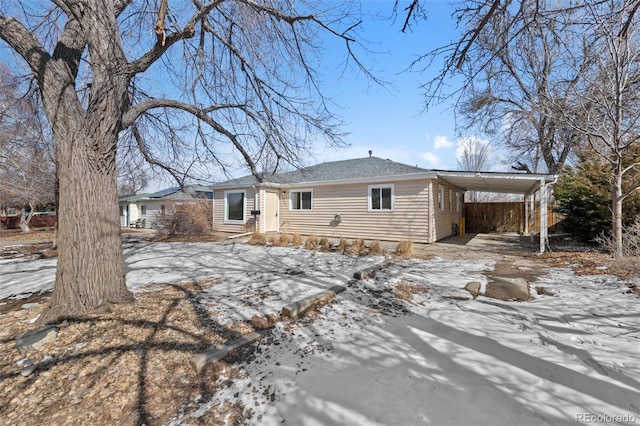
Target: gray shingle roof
(174, 194)
(357, 168)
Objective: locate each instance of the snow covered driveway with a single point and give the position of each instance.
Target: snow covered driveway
(371, 359)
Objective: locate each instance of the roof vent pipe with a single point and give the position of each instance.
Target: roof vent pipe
(370, 153)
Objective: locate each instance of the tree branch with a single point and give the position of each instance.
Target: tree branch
(25, 44)
(200, 114)
(158, 49)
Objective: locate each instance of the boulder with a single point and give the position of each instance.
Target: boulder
(508, 289)
(260, 323)
(474, 288)
(34, 340)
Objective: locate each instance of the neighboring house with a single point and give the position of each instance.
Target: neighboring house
(369, 198)
(141, 210)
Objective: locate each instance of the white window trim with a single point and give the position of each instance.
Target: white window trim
(451, 200)
(291, 200)
(244, 207)
(440, 198)
(457, 202)
(381, 186)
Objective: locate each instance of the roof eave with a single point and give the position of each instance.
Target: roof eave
(373, 179)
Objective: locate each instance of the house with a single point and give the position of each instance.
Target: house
(370, 198)
(141, 210)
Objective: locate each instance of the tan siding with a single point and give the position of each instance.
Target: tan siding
(218, 207)
(446, 218)
(408, 220)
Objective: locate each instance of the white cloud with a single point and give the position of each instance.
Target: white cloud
(431, 159)
(440, 142)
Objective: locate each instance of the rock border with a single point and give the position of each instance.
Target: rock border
(291, 311)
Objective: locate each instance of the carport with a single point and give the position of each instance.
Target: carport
(526, 184)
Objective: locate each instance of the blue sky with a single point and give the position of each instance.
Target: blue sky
(390, 120)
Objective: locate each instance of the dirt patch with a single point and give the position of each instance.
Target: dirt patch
(11, 305)
(405, 290)
(594, 263)
(128, 367)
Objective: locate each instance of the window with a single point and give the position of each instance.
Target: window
(234, 210)
(450, 200)
(440, 198)
(457, 201)
(300, 200)
(143, 210)
(381, 197)
(163, 210)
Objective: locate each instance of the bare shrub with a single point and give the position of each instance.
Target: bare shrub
(375, 249)
(190, 218)
(404, 248)
(311, 243)
(283, 241)
(324, 244)
(343, 245)
(356, 247)
(273, 240)
(257, 239)
(296, 240)
(630, 240)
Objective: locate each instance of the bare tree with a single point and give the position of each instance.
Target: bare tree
(187, 81)
(474, 155)
(27, 167)
(516, 86)
(609, 100)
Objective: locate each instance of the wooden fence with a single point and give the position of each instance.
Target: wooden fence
(37, 221)
(506, 217)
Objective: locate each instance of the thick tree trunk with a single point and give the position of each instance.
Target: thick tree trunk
(90, 275)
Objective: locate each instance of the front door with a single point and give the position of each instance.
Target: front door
(272, 211)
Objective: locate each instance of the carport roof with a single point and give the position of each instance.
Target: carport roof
(512, 183)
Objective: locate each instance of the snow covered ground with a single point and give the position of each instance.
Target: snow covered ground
(370, 358)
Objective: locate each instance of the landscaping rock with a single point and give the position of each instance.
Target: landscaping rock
(26, 372)
(19, 313)
(259, 322)
(474, 288)
(34, 340)
(543, 290)
(508, 289)
(295, 309)
(30, 305)
(370, 272)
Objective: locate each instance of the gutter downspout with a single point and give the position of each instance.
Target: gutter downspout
(255, 207)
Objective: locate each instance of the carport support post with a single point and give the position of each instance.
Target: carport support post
(532, 216)
(526, 215)
(543, 214)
